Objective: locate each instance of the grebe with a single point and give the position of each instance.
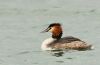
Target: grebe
(58, 43)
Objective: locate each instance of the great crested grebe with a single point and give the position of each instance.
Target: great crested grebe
(58, 43)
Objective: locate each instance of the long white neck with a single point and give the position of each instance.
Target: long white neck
(45, 44)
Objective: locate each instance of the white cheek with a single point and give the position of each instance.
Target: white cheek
(52, 29)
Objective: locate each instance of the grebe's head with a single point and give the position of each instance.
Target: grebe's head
(55, 29)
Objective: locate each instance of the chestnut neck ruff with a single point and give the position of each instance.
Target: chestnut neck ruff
(57, 31)
(57, 36)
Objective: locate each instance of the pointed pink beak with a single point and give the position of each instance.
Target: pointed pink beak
(46, 30)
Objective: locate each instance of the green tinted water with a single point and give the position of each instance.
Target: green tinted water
(21, 22)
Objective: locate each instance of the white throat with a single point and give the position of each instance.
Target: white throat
(45, 44)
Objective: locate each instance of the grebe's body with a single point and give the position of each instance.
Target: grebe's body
(58, 43)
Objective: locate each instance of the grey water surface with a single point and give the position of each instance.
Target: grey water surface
(21, 22)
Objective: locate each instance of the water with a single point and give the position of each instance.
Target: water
(21, 22)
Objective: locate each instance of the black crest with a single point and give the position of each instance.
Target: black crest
(54, 24)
